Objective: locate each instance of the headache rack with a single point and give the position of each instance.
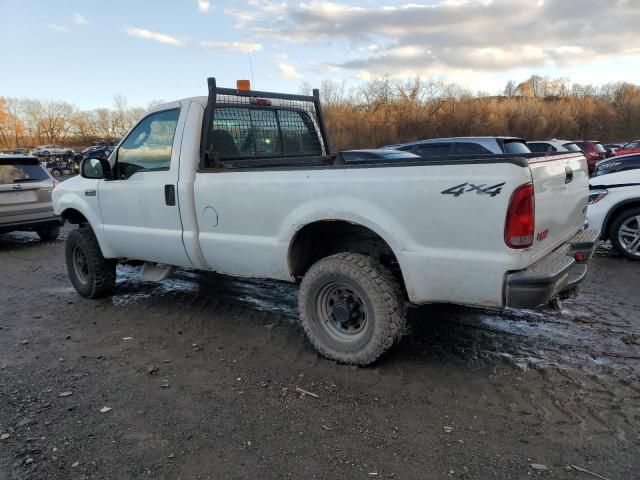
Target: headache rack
(249, 128)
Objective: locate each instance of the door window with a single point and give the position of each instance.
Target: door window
(148, 147)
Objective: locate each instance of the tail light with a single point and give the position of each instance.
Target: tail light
(55, 183)
(520, 224)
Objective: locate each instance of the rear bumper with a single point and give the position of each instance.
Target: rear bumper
(557, 274)
(30, 225)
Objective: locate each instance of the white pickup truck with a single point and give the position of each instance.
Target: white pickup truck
(242, 183)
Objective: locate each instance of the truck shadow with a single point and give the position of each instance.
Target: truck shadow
(441, 333)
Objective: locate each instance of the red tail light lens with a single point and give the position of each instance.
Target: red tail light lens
(520, 225)
(55, 183)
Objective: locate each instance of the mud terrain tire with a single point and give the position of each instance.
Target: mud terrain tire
(91, 274)
(351, 308)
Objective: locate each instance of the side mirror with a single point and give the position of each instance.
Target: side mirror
(96, 168)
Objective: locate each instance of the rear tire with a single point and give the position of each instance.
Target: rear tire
(625, 234)
(91, 274)
(351, 308)
(49, 234)
(56, 172)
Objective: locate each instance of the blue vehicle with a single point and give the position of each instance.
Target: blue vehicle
(100, 149)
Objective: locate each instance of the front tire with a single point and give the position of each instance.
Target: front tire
(625, 234)
(351, 308)
(49, 234)
(91, 274)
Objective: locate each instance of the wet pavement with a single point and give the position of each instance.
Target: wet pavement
(517, 387)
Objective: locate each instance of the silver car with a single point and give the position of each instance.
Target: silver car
(464, 146)
(25, 197)
(52, 151)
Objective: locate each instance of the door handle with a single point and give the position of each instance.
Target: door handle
(170, 195)
(568, 175)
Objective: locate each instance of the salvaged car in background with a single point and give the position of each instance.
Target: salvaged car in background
(25, 197)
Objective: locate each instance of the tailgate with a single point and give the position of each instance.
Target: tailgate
(561, 185)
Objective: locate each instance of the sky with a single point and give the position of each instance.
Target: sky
(87, 51)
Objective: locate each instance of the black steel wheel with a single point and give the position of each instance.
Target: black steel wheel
(91, 274)
(351, 308)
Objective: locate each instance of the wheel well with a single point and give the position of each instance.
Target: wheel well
(322, 239)
(72, 215)
(617, 210)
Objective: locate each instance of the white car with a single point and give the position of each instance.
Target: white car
(614, 210)
(52, 151)
(257, 194)
(553, 146)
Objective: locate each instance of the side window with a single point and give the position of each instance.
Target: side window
(299, 135)
(148, 147)
(632, 145)
(432, 150)
(467, 148)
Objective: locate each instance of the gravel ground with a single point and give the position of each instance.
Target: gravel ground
(198, 377)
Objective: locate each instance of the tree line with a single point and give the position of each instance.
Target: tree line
(380, 112)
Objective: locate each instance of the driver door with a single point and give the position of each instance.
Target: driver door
(141, 218)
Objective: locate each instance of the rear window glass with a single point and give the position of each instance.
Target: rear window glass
(541, 147)
(262, 133)
(468, 148)
(572, 147)
(599, 148)
(432, 150)
(16, 172)
(515, 146)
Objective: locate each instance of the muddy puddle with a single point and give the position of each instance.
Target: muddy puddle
(576, 336)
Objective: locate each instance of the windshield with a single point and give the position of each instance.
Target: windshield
(515, 146)
(16, 172)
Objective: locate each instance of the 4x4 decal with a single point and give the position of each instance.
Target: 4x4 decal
(466, 187)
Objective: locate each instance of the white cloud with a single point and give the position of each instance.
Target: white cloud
(58, 28)
(204, 5)
(242, 17)
(232, 46)
(462, 35)
(155, 36)
(80, 19)
(287, 69)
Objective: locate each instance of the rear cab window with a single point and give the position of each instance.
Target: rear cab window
(599, 148)
(245, 132)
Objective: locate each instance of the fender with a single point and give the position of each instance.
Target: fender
(73, 196)
(324, 209)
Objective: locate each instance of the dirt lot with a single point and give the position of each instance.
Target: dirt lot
(200, 376)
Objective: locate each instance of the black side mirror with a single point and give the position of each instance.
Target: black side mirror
(96, 168)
